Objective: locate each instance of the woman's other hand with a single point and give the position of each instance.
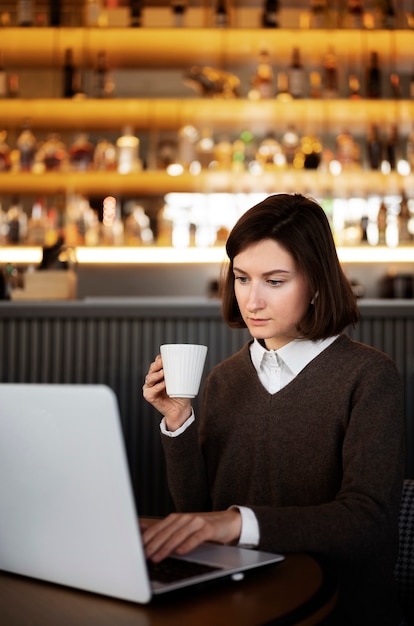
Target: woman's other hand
(179, 533)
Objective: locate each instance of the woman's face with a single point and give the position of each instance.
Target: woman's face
(273, 296)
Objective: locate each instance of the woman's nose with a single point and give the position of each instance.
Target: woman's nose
(255, 300)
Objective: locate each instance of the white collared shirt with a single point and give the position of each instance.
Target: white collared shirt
(275, 369)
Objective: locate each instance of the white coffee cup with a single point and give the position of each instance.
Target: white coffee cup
(183, 365)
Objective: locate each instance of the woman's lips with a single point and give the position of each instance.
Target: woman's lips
(257, 321)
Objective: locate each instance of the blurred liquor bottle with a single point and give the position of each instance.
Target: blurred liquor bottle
(263, 80)
(135, 13)
(55, 12)
(374, 148)
(318, 14)
(68, 75)
(221, 14)
(25, 13)
(296, 75)
(388, 14)
(330, 71)
(354, 17)
(3, 78)
(374, 77)
(270, 14)
(178, 8)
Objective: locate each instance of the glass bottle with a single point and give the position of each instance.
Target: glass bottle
(3, 78)
(25, 12)
(290, 143)
(312, 152)
(315, 83)
(55, 12)
(330, 68)
(296, 75)
(104, 84)
(16, 223)
(388, 14)
(221, 14)
(5, 161)
(178, 8)
(374, 147)
(13, 85)
(263, 80)
(26, 146)
(270, 154)
(223, 153)
(92, 12)
(105, 156)
(411, 86)
(138, 228)
(354, 87)
(382, 222)
(395, 86)
(391, 146)
(318, 13)
(373, 77)
(187, 140)
(282, 87)
(354, 14)
(135, 13)
(37, 224)
(205, 148)
(404, 216)
(347, 151)
(128, 152)
(81, 153)
(410, 149)
(270, 14)
(53, 154)
(68, 75)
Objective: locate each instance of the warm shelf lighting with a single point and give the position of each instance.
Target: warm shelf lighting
(380, 254)
(154, 255)
(150, 255)
(20, 254)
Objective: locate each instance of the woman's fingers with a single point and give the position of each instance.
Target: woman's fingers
(181, 533)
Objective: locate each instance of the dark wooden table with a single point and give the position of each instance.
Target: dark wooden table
(292, 592)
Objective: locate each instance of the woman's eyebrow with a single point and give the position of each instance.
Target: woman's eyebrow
(269, 273)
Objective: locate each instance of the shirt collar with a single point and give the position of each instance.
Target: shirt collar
(295, 355)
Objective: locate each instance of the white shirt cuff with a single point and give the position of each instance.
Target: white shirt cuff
(179, 431)
(250, 533)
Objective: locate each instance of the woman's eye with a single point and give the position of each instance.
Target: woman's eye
(273, 282)
(241, 279)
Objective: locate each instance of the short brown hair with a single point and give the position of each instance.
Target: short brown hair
(300, 226)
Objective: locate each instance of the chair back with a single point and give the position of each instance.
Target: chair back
(404, 569)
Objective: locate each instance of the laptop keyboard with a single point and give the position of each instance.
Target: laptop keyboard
(172, 570)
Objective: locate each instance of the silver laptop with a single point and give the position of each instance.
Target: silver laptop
(67, 512)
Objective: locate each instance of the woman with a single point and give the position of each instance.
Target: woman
(299, 447)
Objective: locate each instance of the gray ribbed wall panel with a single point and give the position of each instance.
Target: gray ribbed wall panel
(113, 342)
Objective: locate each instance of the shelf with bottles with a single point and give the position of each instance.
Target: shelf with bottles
(220, 13)
(198, 159)
(198, 221)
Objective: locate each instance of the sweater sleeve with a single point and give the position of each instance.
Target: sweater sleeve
(364, 513)
(186, 472)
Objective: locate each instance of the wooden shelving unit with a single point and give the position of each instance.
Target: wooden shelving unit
(168, 48)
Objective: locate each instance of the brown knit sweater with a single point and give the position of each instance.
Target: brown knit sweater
(321, 464)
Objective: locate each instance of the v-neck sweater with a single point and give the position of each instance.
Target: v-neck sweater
(320, 462)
